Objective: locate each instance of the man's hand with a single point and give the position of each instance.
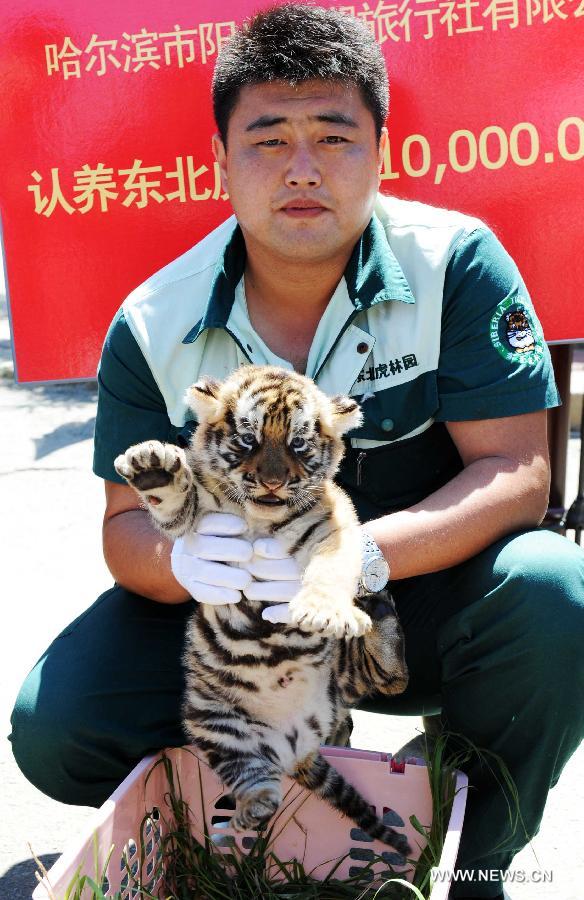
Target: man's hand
(217, 565)
(201, 561)
(280, 579)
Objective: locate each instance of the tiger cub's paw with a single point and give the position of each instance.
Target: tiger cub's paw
(152, 466)
(255, 808)
(312, 613)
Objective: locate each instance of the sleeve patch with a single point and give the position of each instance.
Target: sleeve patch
(515, 333)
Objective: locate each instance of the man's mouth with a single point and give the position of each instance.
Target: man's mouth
(303, 208)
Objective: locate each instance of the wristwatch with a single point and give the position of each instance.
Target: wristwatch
(375, 570)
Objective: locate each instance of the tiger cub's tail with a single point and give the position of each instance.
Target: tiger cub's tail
(319, 776)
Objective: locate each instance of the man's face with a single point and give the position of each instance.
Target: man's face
(301, 168)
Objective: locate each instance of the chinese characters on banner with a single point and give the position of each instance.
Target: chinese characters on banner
(108, 174)
(97, 188)
(404, 21)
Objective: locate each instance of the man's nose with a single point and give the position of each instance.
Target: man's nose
(303, 170)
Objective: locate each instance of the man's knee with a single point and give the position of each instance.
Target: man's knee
(541, 588)
(95, 704)
(516, 641)
(44, 744)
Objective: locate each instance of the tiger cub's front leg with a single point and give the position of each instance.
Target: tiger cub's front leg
(326, 544)
(325, 602)
(162, 477)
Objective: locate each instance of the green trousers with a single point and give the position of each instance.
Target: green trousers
(496, 644)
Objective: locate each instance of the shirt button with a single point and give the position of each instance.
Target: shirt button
(362, 347)
(387, 424)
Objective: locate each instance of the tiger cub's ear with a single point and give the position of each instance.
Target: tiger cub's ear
(346, 414)
(203, 398)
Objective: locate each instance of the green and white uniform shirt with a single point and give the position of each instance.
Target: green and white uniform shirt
(431, 323)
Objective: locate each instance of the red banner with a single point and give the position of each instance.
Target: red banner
(107, 175)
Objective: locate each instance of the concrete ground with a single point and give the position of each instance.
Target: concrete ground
(52, 569)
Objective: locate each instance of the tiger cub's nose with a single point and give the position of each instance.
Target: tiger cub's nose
(272, 484)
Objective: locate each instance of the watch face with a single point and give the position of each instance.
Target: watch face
(376, 576)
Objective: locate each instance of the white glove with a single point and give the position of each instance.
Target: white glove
(280, 579)
(198, 560)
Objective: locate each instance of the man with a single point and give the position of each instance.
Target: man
(407, 308)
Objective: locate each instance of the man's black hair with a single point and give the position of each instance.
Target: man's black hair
(298, 43)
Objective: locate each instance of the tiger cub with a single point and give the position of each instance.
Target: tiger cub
(261, 697)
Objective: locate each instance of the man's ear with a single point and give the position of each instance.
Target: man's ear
(381, 152)
(203, 398)
(220, 154)
(346, 414)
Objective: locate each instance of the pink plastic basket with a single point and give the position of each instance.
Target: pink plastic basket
(315, 833)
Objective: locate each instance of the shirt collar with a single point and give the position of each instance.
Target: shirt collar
(228, 274)
(373, 275)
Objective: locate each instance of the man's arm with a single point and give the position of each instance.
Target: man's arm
(503, 488)
(130, 409)
(137, 555)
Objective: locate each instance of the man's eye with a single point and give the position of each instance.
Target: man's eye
(298, 443)
(334, 139)
(270, 142)
(248, 440)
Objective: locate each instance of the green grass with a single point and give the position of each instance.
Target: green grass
(201, 870)
(448, 753)
(190, 869)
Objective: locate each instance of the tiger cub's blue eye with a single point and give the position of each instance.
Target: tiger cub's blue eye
(298, 443)
(248, 440)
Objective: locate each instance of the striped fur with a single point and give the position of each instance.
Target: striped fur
(261, 698)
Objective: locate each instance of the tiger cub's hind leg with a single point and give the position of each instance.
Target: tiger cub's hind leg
(384, 650)
(256, 784)
(253, 775)
(256, 807)
(374, 663)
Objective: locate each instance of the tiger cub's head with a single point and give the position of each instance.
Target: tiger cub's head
(269, 437)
